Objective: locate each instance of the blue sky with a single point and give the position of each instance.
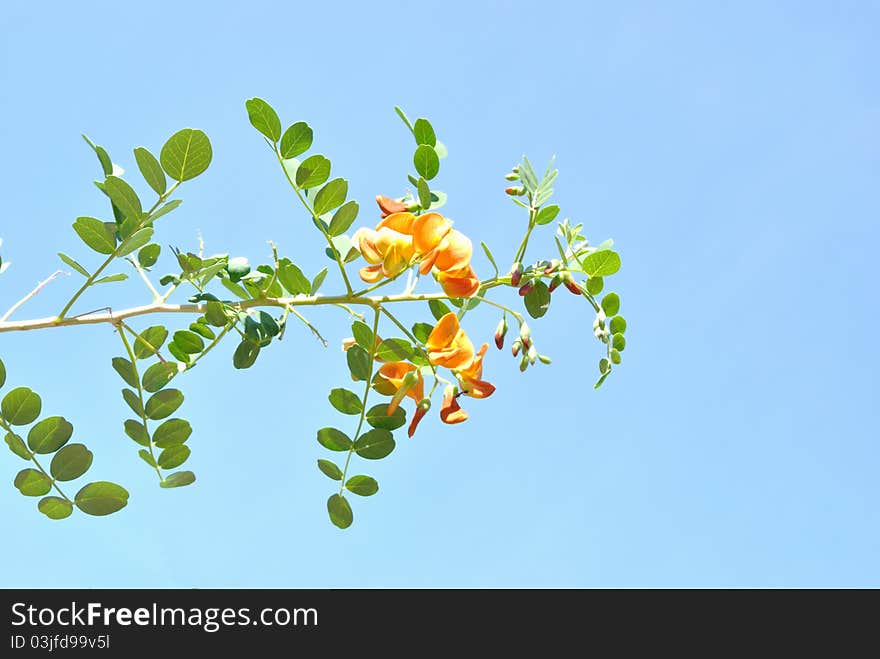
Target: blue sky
(730, 149)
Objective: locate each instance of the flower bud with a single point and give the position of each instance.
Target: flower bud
(554, 283)
(525, 333)
(516, 273)
(544, 359)
(425, 404)
(552, 266)
(524, 363)
(512, 176)
(532, 354)
(387, 205)
(501, 332)
(515, 191)
(571, 284)
(515, 348)
(526, 288)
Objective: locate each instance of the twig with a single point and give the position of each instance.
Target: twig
(29, 295)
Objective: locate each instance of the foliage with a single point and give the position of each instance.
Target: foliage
(228, 296)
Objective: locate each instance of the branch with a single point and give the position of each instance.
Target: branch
(29, 296)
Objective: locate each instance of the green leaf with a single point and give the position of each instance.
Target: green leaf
(438, 309)
(158, 375)
(103, 156)
(537, 300)
(604, 366)
(136, 431)
(71, 462)
(163, 404)
(333, 439)
(345, 401)
(123, 197)
(441, 150)
(135, 241)
(101, 498)
(96, 234)
(146, 457)
(618, 325)
(32, 483)
(313, 171)
(173, 432)
(318, 280)
(358, 362)
(363, 335)
(264, 118)
(49, 435)
(178, 353)
(245, 354)
(237, 267)
(202, 330)
(186, 154)
(111, 278)
(150, 341)
(296, 140)
(426, 161)
(403, 117)
(16, 445)
(528, 176)
(364, 486)
(20, 406)
(611, 304)
(343, 218)
(547, 214)
(618, 342)
(615, 356)
(424, 132)
(375, 444)
(394, 350)
(602, 263)
(73, 264)
(292, 278)
(125, 370)
(340, 511)
(595, 285)
(133, 401)
(178, 479)
(174, 456)
(330, 469)
(165, 209)
(378, 417)
(148, 255)
(55, 507)
(330, 196)
(424, 191)
(151, 170)
(422, 331)
(489, 256)
(2, 373)
(189, 342)
(215, 315)
(601, 380)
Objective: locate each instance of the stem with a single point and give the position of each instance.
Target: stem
(357, 433)
(27, 297)
(9, 429)
(140, 393)
(91, 279)
(213, 343)
(143, 274)
(521, 252)
(318, 224)
(513, 313)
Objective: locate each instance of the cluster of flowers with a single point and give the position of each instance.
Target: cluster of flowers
(403, 239)
(399, 241)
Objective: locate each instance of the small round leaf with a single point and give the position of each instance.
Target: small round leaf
(71, 462)
(340, 511)
(20, 406)
(101, 498)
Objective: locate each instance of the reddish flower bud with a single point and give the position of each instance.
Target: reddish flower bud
(555, 282)
(526, 288)
(515, 348)
(388, 205)
(552, 266)
(500, 332)
(571, 284)
(516, 273)
(517, 191)
(525, 333)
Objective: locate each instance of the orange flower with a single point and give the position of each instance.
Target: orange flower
(395, 377)
(387, 205)
(471, 377)
(459, 283)
(450, 412)
(388, 251)
(440, 245)
(448, 345)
